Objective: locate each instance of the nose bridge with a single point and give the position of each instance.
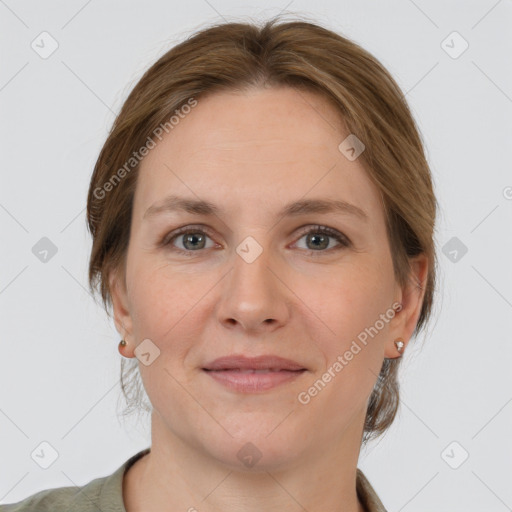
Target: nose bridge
(252, 293)
(251, 275)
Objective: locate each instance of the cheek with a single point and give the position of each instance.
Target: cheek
(163, 307)
(353, 355)
(354, 305)
(161, 303)
(160, 296)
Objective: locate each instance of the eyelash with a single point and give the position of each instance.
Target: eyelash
(339, 237)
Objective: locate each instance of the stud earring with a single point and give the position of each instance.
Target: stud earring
(399, 345)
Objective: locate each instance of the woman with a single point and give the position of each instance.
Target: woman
(262, 216)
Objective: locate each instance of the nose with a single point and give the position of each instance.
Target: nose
(254, 296)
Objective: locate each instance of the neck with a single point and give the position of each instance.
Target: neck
(178, 476)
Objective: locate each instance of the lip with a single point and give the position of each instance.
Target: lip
(264, 362)
(253, 374)
(244, 381)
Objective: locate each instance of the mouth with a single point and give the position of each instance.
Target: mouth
(245, 374)
(254, 370)
(253, 380)
(263, 362)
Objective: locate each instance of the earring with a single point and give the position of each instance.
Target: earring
(122, 344)
(399, 345)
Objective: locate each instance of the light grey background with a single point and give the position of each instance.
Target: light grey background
(59, 361)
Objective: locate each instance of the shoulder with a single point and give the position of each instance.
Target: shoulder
(104, 493)
(61, 499)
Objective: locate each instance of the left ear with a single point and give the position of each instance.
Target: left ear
(411, 297)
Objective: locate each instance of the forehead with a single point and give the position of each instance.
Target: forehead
(251, 149)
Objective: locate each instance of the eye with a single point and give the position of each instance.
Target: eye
(318, 238)
(192, 238)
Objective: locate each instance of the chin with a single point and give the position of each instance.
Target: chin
(257, 448)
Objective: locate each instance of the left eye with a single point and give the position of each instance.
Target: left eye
(195, 239)
(322, 241)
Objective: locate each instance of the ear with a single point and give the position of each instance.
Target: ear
(411, 298)
(121, 305)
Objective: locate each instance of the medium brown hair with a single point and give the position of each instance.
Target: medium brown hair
(237, 56)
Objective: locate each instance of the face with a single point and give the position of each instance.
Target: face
(254, 279)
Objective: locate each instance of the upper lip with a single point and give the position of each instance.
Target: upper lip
(264, 362)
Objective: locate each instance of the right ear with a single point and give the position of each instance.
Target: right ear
(120, 304)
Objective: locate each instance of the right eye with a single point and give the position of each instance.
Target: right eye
(192, 239)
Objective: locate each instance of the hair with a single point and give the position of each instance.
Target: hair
(235, 56)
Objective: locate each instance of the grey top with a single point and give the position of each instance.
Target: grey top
(106, 494)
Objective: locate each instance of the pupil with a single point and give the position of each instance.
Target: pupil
(315, 237)
(192, 238)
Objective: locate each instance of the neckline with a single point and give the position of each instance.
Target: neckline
(365, 491)
(111, 493)
(134, 458)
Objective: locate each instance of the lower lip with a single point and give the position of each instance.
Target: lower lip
(253, 382)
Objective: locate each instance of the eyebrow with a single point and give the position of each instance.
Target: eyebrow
(302, 207)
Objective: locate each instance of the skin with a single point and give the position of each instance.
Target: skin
(250, 153)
